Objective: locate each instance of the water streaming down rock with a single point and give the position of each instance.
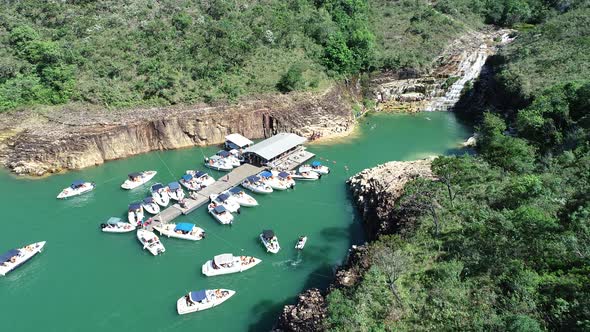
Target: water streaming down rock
(440, 89)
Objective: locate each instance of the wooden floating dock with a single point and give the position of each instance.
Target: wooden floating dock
(226, 182)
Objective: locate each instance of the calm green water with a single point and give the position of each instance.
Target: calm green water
(86, 280)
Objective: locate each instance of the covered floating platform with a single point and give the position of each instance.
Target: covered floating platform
(283, 151)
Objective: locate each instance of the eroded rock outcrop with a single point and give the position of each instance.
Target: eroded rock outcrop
(376, 190)
(307, 315)
(57, 140)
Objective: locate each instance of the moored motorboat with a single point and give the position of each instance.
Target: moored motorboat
(116, 225)
(135, 213)
(136, 179)
(203, 179)
(229, 202)
(254, 184)
(201, 300)
(306, 174)
(228, 263)
(301, 242)
(150, 241)
(150, 205)
(220, 213)
(229, 157)
(317, 167)
(241, 197)
(218, 163)
(185, 231)
(175, 191)
(14, 258)
(159, 194)
(189, 182)
(77, 187)
(274, 182)
(270, 241)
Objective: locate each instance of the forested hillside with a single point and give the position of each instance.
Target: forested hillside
(124, 54)
(502, 241)
(138, 52)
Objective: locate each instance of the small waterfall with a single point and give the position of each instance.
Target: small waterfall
(469, 68)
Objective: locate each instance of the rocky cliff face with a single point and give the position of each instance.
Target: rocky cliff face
(439, 89)
(306, 315)
(376, 190)
(37, 144)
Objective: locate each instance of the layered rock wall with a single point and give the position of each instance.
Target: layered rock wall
(60, 140)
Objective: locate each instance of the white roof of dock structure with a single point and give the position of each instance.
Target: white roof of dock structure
(274, 146)
(238, 140)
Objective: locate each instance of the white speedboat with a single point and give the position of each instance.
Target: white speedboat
(150, 205)
(135, 213)
(254, 184)
(175, 191)
(241, 197)
(228, 263)
(270, 241)
(116, 225)
(229, 157)
(203, 299)
(218, 163)
(301, 242)
(230, 203)
(136, 179)
(317, 167)
(14, 258)
(274, 182)
(189, 182)
(203, 179)
(159, 194)
(150, 241)
(306, 174)
(77, 187)
(185, 231)
(220, 213)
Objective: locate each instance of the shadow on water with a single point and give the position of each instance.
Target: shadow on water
(269, 312)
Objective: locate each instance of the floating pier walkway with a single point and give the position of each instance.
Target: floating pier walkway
(226, 182)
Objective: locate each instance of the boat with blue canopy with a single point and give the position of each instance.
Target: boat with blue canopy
(219, 163)
(14, 258)
(149, 204)
(317, 167)
(203, 299)
(202, 178)
(220, 213)
(227, 201)
(228, 263)
(78, 187)
(175, 191)
(270, 241)
(135, 213)
(256, 185)
(137, 179)
(189, 182)
(184, 230)
(275, 182)
(229, 157)
(241, 197)
(159, 194)
(116, 225)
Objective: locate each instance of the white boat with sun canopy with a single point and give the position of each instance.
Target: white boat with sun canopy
(228, 263)
(189, 182)
(241, 197)
(254, 184)
(202, 300)
(150, 205)
(136, 179)
(159, 194)
(15, 258)
(218, 163)
(116, 225)
(317, 167)
(270, 241)
(135, 213)
(175, 191)
(220, 213)
(229, 202)
(77, 187)
(184, 230)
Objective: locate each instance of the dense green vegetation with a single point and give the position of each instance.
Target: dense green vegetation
(132, 53)
(502, 241)
(141, 53)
